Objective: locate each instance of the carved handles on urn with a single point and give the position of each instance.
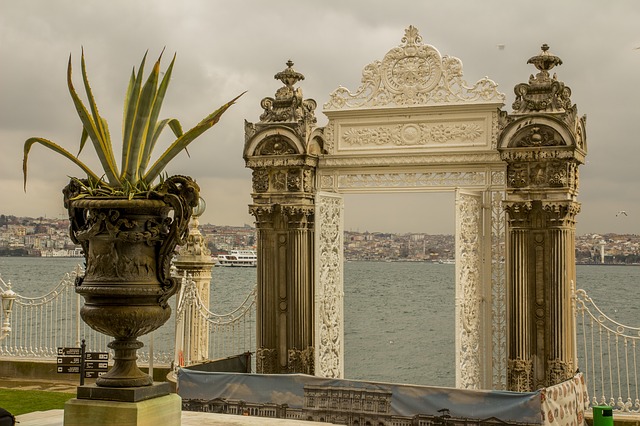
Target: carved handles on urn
(90, 216)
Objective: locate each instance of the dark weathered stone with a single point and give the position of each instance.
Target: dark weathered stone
(128, 245)
(130, 394)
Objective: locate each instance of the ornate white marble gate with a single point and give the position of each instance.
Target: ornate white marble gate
(414, 125)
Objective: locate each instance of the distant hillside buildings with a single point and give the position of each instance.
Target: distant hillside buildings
(26, 236)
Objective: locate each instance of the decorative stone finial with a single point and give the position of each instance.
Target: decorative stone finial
(543, 93)
(195, 244)
(411, 36)
(288, 104)
(544, 62)
(289, 76)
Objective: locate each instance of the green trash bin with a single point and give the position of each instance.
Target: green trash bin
(602, 415)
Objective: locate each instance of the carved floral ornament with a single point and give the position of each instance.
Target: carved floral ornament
(414, 134)
(414, 74)
(283, 180)
(329, 290)
(554, 174)
(468, 242)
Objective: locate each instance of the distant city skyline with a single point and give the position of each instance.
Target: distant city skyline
(226, 48)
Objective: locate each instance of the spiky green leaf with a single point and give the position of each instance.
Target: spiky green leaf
(183, 141)
(152, 133)
(105, 154)
(57, 148)
(131, 106)
(141, 123)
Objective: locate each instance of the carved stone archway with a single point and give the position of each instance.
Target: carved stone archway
(414, 125)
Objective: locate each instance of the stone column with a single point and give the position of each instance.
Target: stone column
(560, 218)
(282, 151)
(300, 355)
(519, 367)
(194, 259)
(542, 142)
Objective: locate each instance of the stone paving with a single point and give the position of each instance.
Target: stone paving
(189, 418)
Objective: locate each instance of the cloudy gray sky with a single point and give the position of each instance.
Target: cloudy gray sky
(226, 47)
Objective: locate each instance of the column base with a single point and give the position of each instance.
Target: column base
(164, 410)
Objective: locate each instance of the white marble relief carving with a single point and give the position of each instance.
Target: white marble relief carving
(465, 158)
(414, 74)
(468, 285)
(498, 292)
(498, 178)
(329, 325)
(413, 134)
(329, 137)
(411, 180)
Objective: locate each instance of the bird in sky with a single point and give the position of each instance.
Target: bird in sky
(621, 213)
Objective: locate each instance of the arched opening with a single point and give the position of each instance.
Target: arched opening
(399, 287)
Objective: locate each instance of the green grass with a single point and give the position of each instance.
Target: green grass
(18, 401)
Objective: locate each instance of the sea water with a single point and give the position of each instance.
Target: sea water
(398, 316)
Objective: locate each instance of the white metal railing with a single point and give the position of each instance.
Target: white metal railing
(228, 334)
(608, 356)
(39, 325)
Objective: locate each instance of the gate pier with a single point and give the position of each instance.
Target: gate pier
(283, 156)
(543, 143)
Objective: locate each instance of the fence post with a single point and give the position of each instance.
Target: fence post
(78, 306)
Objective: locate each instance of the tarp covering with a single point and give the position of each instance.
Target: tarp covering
(350, 401)
(564, 404)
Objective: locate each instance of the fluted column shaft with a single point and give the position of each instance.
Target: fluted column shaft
(520, 373)
(541, 256)
(285, 291)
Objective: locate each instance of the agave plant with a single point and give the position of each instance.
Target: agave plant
(140, 132)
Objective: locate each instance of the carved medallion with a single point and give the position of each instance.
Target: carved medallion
(414, 74)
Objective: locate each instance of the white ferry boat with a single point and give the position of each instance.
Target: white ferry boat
(241, 258)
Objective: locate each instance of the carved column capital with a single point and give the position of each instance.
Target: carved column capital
(519, 212)
(267, 361)
(301, 361)
(558, 371)
(561, 213)
(520, 375)
(298, 216)
(262, 212)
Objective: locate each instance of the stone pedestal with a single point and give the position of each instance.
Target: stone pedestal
(163, 410)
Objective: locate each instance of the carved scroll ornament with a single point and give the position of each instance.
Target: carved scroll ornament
(414, 74)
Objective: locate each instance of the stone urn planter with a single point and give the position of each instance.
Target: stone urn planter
(128, 245)
(127, 224)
